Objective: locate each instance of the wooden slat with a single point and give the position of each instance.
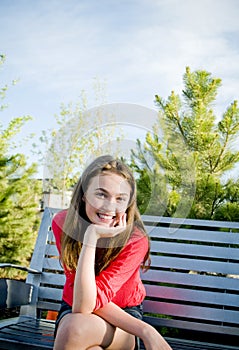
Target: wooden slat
(191, 234)
(192, 326)
(185, 344)
(186, 279)
(50, 293)
(49, 305)
(191, 222)
(191, 312)
(53, 279)
(52, 264)
(192, 295)
(194, 264)
(194, 250)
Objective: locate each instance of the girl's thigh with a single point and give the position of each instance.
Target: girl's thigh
(122, 340)
(81, 331)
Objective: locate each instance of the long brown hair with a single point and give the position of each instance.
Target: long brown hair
(77, 221)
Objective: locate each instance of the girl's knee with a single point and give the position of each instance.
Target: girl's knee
(80, 331)
(68, 334)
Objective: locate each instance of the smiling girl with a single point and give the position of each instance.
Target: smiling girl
(103, 244)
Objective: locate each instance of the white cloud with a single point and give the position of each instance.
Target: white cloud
(140, 47)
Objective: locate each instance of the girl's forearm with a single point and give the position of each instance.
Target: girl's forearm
(119, 318)
(84, 297)
(85, 292)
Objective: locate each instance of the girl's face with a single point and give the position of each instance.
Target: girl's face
(106, 199)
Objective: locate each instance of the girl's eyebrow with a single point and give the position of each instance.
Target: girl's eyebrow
(105, 191)
(100, 189)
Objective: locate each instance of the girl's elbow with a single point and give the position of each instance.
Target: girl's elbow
(82, 309)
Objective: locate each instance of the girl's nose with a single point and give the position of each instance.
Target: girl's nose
(110, 205)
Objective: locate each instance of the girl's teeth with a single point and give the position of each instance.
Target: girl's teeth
(106, 217)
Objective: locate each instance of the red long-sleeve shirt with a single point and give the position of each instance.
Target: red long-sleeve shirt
(120, 282)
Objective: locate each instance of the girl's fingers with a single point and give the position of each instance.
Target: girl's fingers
(103, 231)
(121, 220)
(111, 231)
(124, 217)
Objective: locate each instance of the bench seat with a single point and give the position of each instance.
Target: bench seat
(28, 333)
(192, 286)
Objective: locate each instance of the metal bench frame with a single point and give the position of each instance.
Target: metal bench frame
(192, 286)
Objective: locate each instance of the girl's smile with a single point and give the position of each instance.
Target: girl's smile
(106, 199)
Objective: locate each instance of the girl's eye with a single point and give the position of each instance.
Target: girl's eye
(100, 194)
(121, 199)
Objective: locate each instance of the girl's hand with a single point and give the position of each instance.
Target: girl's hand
(95, 232)
(107, 232)
(117, 226)
(153, 340)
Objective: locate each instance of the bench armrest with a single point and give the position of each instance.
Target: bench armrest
(19, 267)
(14, 293)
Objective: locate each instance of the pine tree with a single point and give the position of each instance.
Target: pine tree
(191, 161)
(19, 198)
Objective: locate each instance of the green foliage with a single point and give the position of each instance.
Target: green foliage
(18, 207)
(191, 154)
(19, 198)
(68, 148)
(229, 208)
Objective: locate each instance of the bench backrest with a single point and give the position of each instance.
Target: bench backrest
(193, 281)
(49, 284)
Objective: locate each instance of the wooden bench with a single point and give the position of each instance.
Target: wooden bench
(192, 286)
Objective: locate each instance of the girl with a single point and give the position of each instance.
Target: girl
(102, 244)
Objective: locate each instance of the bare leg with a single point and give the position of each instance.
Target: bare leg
(122, 340)
(81, 332)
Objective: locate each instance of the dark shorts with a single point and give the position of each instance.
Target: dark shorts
(135, 311)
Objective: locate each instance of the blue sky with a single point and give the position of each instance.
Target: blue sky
(138, 48)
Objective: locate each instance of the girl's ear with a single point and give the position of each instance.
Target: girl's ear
(83, 198)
